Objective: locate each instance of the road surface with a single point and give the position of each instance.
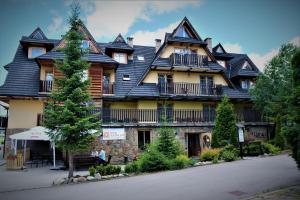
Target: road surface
(222, 181)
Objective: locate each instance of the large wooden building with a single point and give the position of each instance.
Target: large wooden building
(181, 79)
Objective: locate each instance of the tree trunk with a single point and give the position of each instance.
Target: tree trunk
(71, 165)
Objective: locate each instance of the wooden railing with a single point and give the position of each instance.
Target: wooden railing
(250, 116)
(46, 86)
(193, 89)
(3, 122)
(189, 60)
(154, 116)
(108, 88)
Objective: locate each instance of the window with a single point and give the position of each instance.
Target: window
(49, 76)
(222, 63)
(182, 51)
(34, 52)
(85, 44)
(85, 75)
(246, 84)
(206, 85)
(140, 58)
(181, 32)
(219, 50)
(165, 83)
(143, 139)
(126, 77)
(246, 66)
(209, 111)
(120, 58)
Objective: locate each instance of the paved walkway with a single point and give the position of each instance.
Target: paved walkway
(234, 180)
(288, 193)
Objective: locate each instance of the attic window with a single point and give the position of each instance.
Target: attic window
(219, 50)
(34, 52)
(181, 32)
(85, 44)
(126, 77)
(140, 58)
(246, 66)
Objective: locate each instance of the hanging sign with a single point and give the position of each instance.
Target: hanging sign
(241, 134)
(114, 134)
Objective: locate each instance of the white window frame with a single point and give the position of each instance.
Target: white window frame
(182, 51)
(30, 50)
(141, 58)
(117, 57)
(245, 84)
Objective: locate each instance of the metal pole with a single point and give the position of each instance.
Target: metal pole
(53, 146)
(5, 132)
(25, 142)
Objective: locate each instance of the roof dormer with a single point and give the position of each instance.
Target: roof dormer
(119, 45)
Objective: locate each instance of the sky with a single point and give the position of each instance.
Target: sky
(255, 27)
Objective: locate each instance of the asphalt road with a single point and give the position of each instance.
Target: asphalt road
(222, 181)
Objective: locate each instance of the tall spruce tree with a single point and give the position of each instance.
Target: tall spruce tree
(68, 113)
(225, 130)
(292, 129)
(273, 89)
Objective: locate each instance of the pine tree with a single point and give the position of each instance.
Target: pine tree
(68, 113)
(225, 130)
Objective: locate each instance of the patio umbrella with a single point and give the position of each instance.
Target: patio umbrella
(37, 133)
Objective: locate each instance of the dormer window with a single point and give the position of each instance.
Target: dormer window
(140, 58)
(120, 57)
(126, 77)
(34, 52)
(246, 84)
(85, 44)
(246, 66)
(219, 50)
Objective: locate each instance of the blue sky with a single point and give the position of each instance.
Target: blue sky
(256, 27)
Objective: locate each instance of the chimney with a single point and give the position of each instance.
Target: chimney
(157, 44)
(130, 41)
(209, 43)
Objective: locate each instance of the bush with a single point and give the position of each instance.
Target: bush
(176, 164)
(229, 153)
(209, 154)
(185, 160)
(92, 171)
(153, 161)
(132, 167)
(270, 149)
(106, 170)
(254, 149)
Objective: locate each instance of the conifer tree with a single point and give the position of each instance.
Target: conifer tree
(225, 130)
(68, 112)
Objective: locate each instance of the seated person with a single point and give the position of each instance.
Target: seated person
(102, 157)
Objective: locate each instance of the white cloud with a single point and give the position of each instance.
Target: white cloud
(56, 24)
(259, 59)
(108, 18)
(233, 48)
(148, 37)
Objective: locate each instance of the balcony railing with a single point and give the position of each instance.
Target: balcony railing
(46, 86)
(250, 116)
(189, 60)
(108, 88)
(192, 89)
(155, 116)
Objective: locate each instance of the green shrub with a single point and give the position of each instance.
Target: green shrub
(228, 156)
(270, 149)
(209, 154)
(176, 164)
(132, 167)
(215, 160)
(185, 160)
(107, 170)
(92, 171)
(153, 161)
(254, 149)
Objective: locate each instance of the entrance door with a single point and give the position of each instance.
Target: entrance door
(194, 144)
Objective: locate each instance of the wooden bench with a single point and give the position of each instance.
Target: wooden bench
(84, 161)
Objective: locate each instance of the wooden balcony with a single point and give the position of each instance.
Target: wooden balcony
(188, 60)
(188, 89)
(157, 116)
(45, 86)
(108, 88)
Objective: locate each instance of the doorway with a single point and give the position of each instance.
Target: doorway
(193, 144)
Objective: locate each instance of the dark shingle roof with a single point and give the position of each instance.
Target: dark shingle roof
(236, 64)
(23, 76)
(235, 93)
(119, 44)
(91, 57)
